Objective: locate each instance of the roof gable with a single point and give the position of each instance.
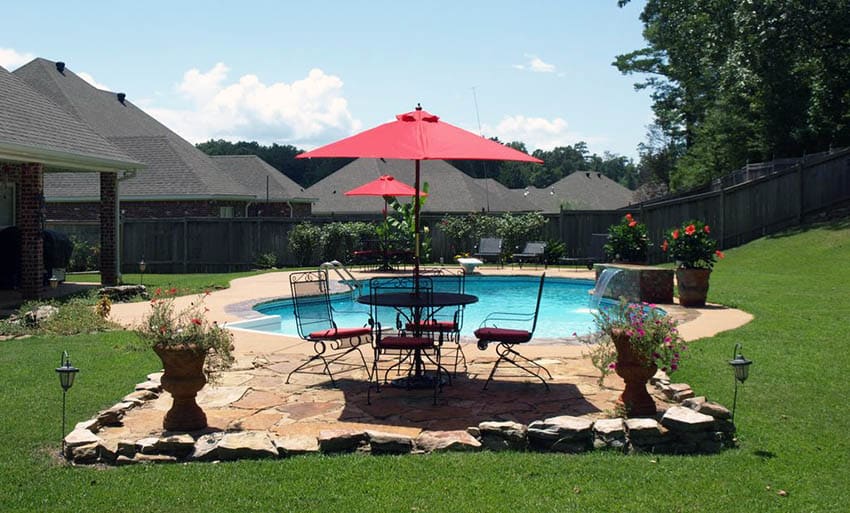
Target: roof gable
(35, 125)
(260, 177)
(173, 165)
(580, 190)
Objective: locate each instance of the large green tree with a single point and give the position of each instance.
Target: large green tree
(743, 80)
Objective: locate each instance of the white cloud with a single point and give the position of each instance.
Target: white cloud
(535, 64)
(306, 112)
(537, 133)
(11, 59)
(90, 79)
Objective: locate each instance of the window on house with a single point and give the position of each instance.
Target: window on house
(225, 212)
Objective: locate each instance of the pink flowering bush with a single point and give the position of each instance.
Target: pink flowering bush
(652, 334)
(165, 325)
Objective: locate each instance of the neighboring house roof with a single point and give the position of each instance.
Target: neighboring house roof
(35, 129)
(450, 189)
(581, 190)
(260, 177)
(173, 166)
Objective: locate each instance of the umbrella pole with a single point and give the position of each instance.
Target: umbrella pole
(416, 231)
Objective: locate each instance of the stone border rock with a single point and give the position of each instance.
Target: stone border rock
(692, 426)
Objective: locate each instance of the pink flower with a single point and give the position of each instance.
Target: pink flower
(675, 234)
(706, 229)
(632, 224)
(612, 365)
(691, 229)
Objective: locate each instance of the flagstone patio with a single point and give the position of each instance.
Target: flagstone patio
(253, 395)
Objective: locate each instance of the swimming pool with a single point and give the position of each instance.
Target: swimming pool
(563, 309)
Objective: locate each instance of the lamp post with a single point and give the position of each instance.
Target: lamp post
(142, 267)
(66, 373)
(741, 367)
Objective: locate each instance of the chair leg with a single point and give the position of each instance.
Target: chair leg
(310, 363)
(508, 354)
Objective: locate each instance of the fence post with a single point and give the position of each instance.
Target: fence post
(722, 217)
(800, 183)
(185, 245)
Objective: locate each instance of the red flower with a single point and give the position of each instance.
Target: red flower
(665, 245)
(196, 321)
(706, 229)
(632, 224)
(629, 217)
(157, 292)
(691, 229)
(719, 254)
(172, 291)
(675, 234)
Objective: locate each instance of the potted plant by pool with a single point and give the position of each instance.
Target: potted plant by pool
(628, 241)
(695, 253)
(192, 350)
(636, 339)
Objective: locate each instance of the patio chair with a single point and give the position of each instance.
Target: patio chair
(532, 252)
(447, 322)
(390, 336)
(508, 338)
(489, 247)
(595, 252)
(314, 320)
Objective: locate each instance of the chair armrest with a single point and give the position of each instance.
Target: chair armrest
(507, 317)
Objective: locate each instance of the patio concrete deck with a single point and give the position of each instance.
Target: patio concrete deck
(253, 395)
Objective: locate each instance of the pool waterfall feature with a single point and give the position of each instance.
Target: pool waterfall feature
(598, 292)
(637, 283)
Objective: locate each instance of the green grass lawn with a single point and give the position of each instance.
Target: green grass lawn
(792, 418)
(184, 283)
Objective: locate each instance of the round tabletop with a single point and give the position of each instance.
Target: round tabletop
(410, 300)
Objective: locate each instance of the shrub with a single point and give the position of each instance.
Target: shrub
(515, 231)
(691, 246)
(628, 241)
(266, 261)
(84, 256)
(304, 242)
(554, 250)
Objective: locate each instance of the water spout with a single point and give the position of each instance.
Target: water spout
(598, 292)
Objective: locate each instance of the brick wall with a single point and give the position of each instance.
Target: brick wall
(108, 229)
(29, 219)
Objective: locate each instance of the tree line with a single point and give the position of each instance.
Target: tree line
(738, 81)
(557, 163)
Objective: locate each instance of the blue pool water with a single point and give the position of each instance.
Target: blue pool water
(563, 309)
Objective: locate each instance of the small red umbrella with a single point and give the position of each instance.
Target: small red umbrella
(418, 136)
(387, 187)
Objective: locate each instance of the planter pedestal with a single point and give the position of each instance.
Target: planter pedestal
(183, 379)
(635, 399)
(693, 286)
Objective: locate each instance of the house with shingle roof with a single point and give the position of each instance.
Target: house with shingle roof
(277, 194)
(581, 190)
(451, 190)
(179, 179)
(38, 137)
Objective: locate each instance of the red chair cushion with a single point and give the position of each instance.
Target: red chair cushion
(434, 326)
(396, 342)
(333, 334)
(503, 335)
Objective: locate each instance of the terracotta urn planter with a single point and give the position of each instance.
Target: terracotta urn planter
(693, 286)
(183, 379)
(635, 372)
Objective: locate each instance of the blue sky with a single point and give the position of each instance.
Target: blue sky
(307, 73)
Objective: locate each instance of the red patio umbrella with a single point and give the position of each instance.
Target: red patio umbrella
(387, 187)
(418, 136)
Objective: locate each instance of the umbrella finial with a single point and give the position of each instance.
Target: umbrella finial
(418, 106)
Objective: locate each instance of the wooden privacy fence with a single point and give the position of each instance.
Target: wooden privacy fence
(736, 213)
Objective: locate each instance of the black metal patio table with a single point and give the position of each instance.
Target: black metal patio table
(415, 303)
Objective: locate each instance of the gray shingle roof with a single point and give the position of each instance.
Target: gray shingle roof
(174, 167)
(580, 190)
(450, 189)
(32, 121)
(255, 173)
